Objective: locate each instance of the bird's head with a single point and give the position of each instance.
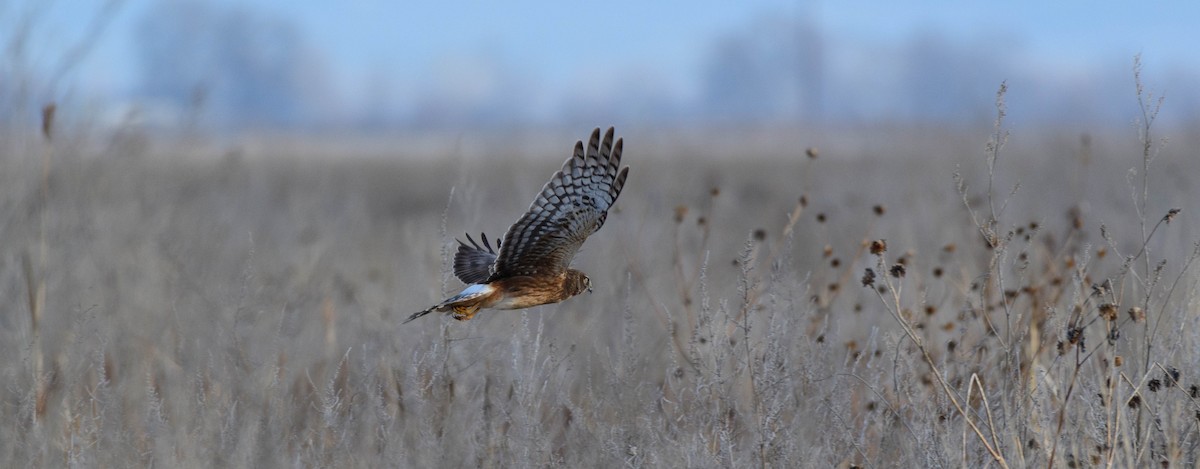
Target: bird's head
(577, 282)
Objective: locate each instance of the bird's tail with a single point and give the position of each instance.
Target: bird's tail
(419, 314)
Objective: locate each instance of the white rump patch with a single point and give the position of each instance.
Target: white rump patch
(476, 290)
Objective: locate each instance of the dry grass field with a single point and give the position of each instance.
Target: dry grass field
(239, 305)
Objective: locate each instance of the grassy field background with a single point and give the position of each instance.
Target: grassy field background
(188, 303)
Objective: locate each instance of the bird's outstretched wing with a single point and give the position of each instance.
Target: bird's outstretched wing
(572, 206)
(473, 263)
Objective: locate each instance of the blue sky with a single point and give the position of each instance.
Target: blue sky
(550, 52)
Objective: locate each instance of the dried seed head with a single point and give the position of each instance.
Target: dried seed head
(680, 212)
(949, 248)
(1074, 335)
(1136, 314)
(1171, 377)
(878, 247)
(937, 272)
(1135, 401)
(1108, 311)
(701, 221)
(897, 270)
(1171, 215)
(715, 191)
(1100, 253)
(868, 278)
(804, 200)
(835, 262)
(1118, 361)
(821, 217)
(811, 152)
(760, 234)
(1076, 216)
(827, 251)
(1154, 385)
(879, 210)
(930, 310)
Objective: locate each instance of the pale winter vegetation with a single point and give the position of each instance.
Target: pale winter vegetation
(885, 298)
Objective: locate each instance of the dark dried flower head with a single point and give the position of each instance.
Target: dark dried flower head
(701, 221)
(930, 310)
(878, 246)
(1108, 311)
(1194, 391)
(1171, 215)
(1154, 385)
(937, 272)
(804, 200)
(760, 234)
(811, 152)
(868, 278)
(1076, 216)
(821, 217)
(680, 212)
(1135, 401)
(897, 270)
(1074, 335)
(1171, 377)
(949, 248)
(1136, 314)
(835, 262)
(879, 210)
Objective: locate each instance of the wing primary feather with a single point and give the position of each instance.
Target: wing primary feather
(571, 206)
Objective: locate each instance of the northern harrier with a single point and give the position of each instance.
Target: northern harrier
(532, 267)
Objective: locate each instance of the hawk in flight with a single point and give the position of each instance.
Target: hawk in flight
(533, 265)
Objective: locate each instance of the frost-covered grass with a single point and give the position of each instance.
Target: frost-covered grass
(241, 306)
